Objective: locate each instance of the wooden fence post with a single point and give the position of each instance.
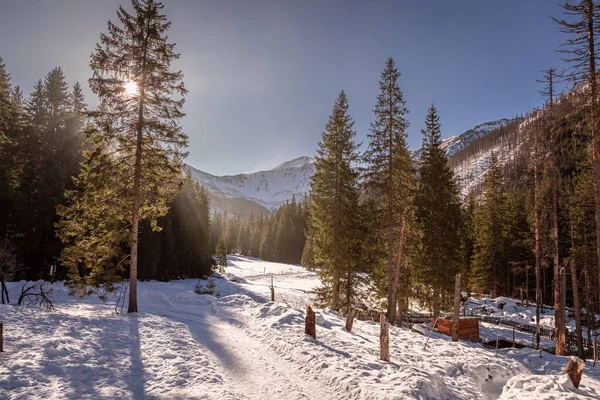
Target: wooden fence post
(384, 339)
(514, 337)
(272, 290)
(456, 318)
(310, 323)
(1, 336)
(350, 319)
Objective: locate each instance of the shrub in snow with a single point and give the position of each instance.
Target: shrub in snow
(207, 288)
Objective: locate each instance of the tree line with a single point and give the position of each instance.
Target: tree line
(279, 237)
(532, 225)
(91, 194)
(381, 213)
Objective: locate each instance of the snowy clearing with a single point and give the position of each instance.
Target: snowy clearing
(240, 346)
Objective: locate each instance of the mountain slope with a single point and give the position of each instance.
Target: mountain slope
(454, 144)
(263, 192)
(269, 189)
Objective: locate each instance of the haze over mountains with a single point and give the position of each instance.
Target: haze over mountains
(265, 191)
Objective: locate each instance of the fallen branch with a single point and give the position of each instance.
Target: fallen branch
(40, 299)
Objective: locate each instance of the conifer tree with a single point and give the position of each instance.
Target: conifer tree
(7, 118)
(221, 254)
(6, 104)
(389, 175)
(334, 203)
(437, 218)
(488, 258)
(140, 99)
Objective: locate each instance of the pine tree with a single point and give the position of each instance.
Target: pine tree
(488, 258)
(334, 203)
(221, 255)
(142, 98)
(437, 218)
(389, 175)
(6, 103)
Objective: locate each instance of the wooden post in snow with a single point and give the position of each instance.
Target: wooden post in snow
(350, 319)
(521, 290)
(595, 351)
(575, 369)
(456, 318)
(1, 336)
(310, 323)
(272, 290)
(384, 338)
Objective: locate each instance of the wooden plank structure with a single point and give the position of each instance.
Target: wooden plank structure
(468, 328)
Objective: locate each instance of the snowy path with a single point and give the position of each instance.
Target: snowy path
(250, 369)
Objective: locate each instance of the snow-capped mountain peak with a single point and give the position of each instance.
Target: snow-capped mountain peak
(299, 162)
(265, 191)
(269, 188)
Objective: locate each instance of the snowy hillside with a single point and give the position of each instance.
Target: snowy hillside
(240, 346)
(471, 171)
(269, 188)
(248, 193)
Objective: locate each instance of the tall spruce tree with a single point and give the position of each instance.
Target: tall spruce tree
(488, 265)
(334, 204)
(389, 177)
(136, 125)
(437, 219)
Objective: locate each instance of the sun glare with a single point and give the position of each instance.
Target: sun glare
(131, 88)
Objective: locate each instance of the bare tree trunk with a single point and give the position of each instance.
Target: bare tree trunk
(559, 312)
(578, 329)
(396, 269)
(392, 289)
(5, 293)
(350, 319)
(589, 297)
(135, 217)
(384, 339)
(137, 177)
(456, 319)
(335, 291)
(537, 247)
(526, 286)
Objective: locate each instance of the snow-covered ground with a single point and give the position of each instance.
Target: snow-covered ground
(240, 346)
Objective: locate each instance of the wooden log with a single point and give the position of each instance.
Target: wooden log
(575, 369)
(350, 319)
(456, 318)
(384, 338)
(310, 324)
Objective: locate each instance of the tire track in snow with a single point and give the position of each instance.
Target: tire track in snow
(249, 365)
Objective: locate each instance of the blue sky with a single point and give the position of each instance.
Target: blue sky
(263, 75)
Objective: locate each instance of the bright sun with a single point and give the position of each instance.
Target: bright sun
(131, 88)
